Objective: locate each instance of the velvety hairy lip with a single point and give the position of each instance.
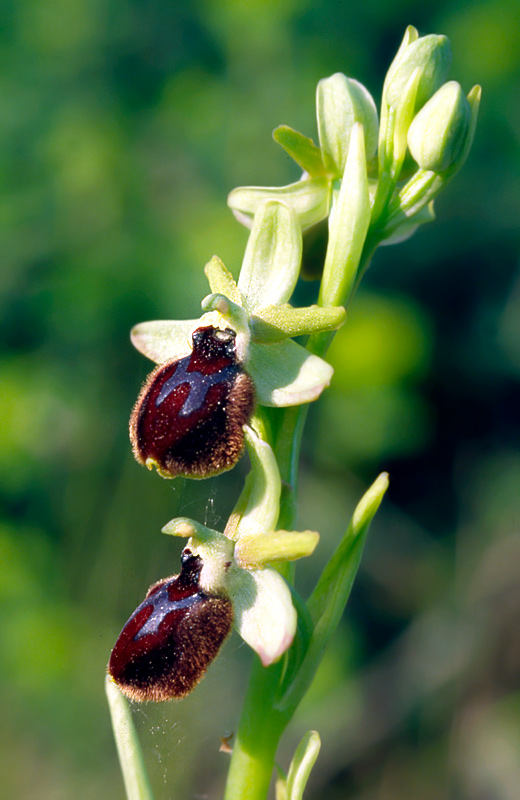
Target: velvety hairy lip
(171, 638)
(189, 415)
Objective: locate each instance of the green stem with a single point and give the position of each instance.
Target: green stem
(257, 737)
(263, 721)
(261, 725)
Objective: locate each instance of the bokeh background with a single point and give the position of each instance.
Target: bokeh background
(123, 125)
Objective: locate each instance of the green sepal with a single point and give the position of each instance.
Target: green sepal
(263, 609)
(163, 340)
(266, 548)
(276, 323)
(309, 199)
(286, 374)
(302, 149)
(273, 255)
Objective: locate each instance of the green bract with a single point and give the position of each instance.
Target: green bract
(235, 562)
(341, 102)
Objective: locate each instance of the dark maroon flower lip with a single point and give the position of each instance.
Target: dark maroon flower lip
(189, 415)
(171, 638)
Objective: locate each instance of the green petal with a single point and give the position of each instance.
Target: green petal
(301, 149)
(163, 340)
(265, 617)
(266, 548)
(276, 323)
(221, 280)
(285, 374)
(273, 255)
(310, 200)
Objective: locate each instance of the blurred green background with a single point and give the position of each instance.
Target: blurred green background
(123, 126)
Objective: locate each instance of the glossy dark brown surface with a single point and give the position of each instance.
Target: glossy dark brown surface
(188, 418)
(167, 644)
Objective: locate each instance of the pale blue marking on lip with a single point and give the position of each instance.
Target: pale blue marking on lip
(162, 605)
(199, 385)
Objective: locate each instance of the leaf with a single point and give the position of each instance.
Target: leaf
(129, 750)
(328, 600)
(301, 765)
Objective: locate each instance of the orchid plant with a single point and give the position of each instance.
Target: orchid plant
(243, 575)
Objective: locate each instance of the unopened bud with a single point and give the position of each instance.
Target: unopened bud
(341, 102)
(432, 55)
(438, 134)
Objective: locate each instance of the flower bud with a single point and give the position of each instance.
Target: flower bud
(341, 102)
(438, 134)
(432, 56)
(169, 641)
(188, 418)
